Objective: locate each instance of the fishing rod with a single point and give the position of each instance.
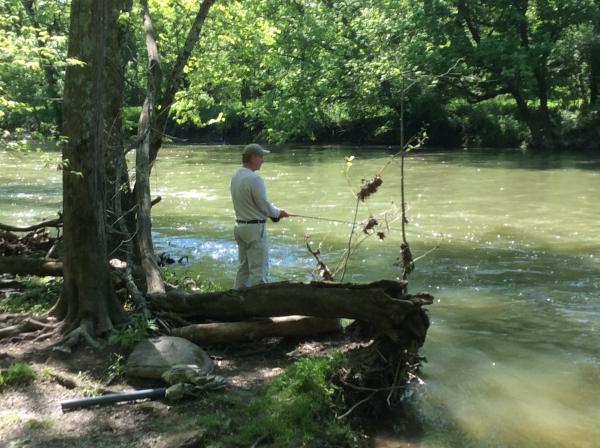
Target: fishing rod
(318, 218)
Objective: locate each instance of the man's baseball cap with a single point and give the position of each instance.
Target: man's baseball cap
(254, 148)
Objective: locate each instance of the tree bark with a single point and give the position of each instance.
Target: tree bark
(88, 302)
(152, 124)
(154, 283)
(22, 265)
(385, 304)
(228, 332)
(118, 192)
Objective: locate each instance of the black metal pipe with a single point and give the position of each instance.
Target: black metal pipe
(67, 405)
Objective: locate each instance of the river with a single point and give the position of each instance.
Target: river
(511, 246)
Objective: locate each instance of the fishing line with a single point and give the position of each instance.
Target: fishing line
(359, 223)
(318, 218)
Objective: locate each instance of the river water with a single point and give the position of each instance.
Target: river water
(511, 246)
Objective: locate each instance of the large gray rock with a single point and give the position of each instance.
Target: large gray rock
(152, 357)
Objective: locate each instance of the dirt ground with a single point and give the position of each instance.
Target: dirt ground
(31, 416)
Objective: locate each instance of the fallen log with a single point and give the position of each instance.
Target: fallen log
(227, 332)
(23, 265)
(8, 236)
(385, 304)
(57, 222)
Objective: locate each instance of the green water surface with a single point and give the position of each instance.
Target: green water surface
(514, 346)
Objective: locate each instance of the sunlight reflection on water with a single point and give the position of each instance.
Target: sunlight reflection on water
(513, 350)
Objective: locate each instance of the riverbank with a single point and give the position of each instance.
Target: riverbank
(31, 415)
(280, 392)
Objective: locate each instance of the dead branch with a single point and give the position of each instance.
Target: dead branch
(322, 270)
(50, 223)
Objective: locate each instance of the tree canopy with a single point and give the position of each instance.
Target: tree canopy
(475, 72)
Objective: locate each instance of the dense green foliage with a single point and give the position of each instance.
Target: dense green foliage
(493, 73)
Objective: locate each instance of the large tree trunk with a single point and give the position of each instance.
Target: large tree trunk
(88, 301)
(385, 304)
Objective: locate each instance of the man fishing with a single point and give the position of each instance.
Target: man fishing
(252, 208)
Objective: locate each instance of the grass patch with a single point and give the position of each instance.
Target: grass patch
(184, 279)
(297, 409)
(17, 374)
(87, 386)
(35, 424)
(7, 420)
(39, 296)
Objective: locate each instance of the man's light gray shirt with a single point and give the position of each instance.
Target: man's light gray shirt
(249, 196)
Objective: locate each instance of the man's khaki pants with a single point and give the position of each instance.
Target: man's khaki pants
(253, 250)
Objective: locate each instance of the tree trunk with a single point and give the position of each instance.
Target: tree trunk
(118, 193)
(174, 80)
(385, 304)
(152, 124)
(88, 301)
(154, 283)
(22, 265)
(539, 124)
(228, 332)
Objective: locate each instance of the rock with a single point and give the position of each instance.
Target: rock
(152, 357)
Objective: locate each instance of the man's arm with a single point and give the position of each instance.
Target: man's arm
(259, 195)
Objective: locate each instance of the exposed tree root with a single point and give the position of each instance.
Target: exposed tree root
(378, 377)
(25, 325)
(11, 316)
(136, 295)
(72, 338)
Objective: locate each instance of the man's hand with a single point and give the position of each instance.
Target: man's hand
(283, 214)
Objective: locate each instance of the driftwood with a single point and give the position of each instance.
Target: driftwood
(23, 265)
(385, 304)
(51, 223)
(227, 332)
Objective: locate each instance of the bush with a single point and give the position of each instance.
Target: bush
(490, 123)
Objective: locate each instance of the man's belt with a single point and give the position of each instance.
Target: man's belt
(252, 221)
